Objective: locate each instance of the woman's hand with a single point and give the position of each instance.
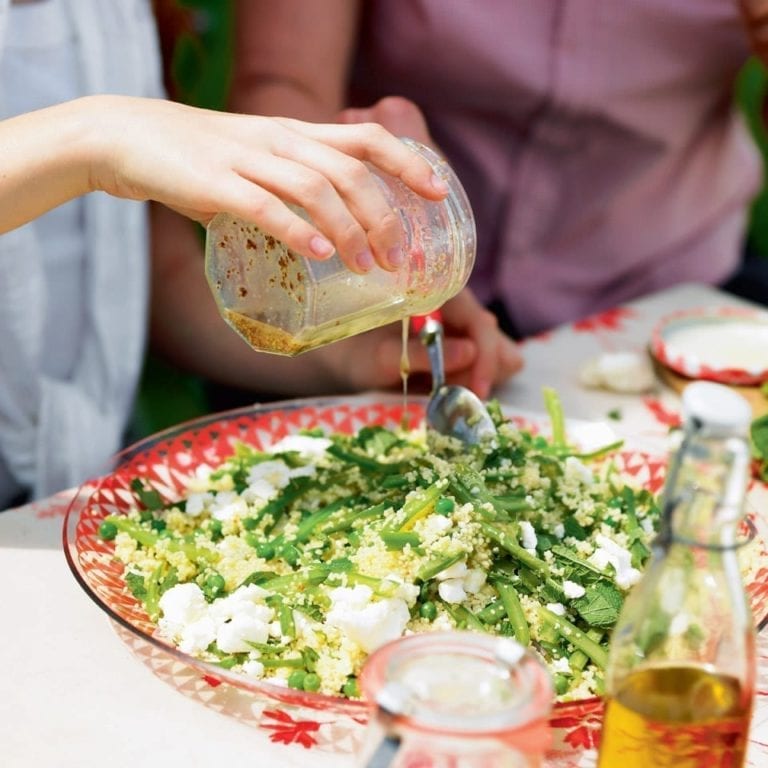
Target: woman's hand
(201, 162)
(477, 354)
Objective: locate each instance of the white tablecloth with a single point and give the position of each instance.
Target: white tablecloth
(74, 694)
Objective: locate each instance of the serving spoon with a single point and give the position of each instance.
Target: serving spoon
(452, 410)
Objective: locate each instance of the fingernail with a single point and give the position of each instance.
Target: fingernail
(395, 257)
(321, 247)
(364, 260)
(438, 184)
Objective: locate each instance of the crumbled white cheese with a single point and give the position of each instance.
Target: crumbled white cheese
(455, 571)
(197, 503)
(236, 636)
(610, 553)
(561, 666)
(198, 635)
(228, 505)
(627, 372)
(452, 591)
(572, 590)
(306, 446)
(474, 580)
(575, 470)
(529, 539)
(181, 605)
(405, 591)
(276, 473)
(557, 608)
(232, 621)
(367, 623)
(254, 668)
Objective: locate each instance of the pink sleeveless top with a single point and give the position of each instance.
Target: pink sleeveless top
(597, 139)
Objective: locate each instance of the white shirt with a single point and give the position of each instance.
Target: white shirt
(73, 283)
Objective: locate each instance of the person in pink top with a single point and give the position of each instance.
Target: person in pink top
(598, 140)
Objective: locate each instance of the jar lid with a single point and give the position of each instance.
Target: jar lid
(459, 683)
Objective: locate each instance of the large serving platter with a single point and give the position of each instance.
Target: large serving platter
(167, 460)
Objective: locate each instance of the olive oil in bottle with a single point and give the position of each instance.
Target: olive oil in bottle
(680, 679)
(686, 716)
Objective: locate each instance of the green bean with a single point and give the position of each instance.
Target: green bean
(400, 539)
(573, 635)
(514, 611)
(505, 541)
(439, 564)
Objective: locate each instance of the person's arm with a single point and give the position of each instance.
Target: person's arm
(293, 57)
(200, 162)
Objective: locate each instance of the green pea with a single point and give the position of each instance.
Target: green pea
(428, 610)
(157, 524)
(296, 679)
(214, 526)
(265, 550)
(107, 530)
(445, 506)
(350, 688)
(311, 682)
(249, 523)
(561, 683)
(214, 585)
(290, 554)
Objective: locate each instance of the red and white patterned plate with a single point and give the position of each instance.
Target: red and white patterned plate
(291, 717)
(725, 344)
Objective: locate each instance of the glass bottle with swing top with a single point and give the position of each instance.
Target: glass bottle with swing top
(681, 674)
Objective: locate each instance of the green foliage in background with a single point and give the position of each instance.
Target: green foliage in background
(202, 63)
(751, 91)
(201, 70)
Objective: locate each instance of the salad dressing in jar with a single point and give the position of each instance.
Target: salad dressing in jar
(280, 302)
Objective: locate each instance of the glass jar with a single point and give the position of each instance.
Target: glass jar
(681, 671)
(455, 700)
(281, 302)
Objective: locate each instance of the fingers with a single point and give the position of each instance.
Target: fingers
(256, 203)
(373, 143)
(343, 199)
(497, 356)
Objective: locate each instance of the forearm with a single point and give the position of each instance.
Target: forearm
(292, 58)
(46, 159)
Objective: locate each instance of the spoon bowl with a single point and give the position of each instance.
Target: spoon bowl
(452, 410)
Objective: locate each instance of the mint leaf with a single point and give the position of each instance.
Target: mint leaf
(600, 606)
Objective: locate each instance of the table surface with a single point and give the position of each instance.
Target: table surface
(73, 693)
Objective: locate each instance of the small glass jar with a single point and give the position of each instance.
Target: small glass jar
(283, 303)
(455, 700)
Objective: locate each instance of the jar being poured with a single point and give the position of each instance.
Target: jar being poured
(280, 302)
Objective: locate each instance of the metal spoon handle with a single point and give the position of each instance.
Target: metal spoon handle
(431, 336)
